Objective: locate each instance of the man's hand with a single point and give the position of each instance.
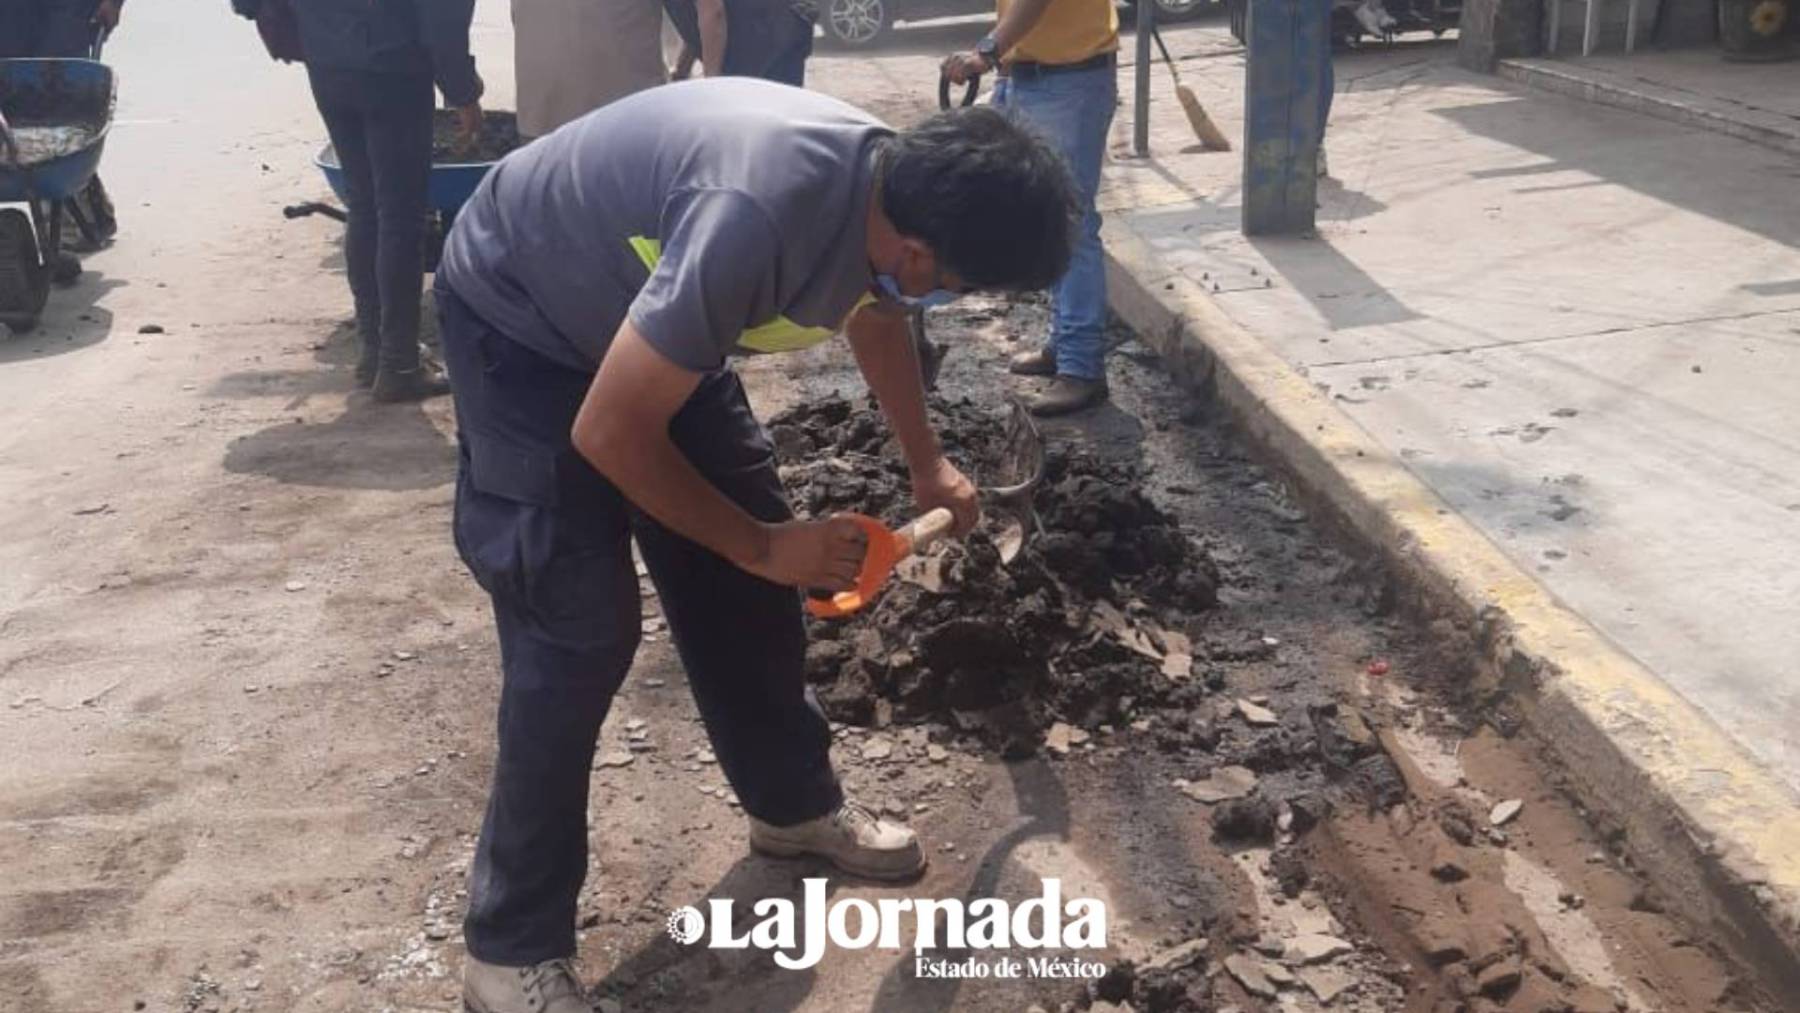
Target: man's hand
(941, 485)
(468, 126)
(823, 555)
(106, 14)
(960, 67)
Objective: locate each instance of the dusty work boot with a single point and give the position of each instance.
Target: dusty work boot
(1067, 395)
(549, 987)
(854, 839)
(1041, 362)
(392, 385)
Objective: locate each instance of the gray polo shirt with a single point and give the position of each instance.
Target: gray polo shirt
(722, 216)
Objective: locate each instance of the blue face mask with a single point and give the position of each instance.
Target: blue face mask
(936, 297)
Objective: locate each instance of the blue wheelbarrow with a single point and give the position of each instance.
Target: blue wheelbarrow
(54, 117)
(450, 187)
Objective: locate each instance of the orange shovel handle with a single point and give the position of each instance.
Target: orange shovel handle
(878, 561)
(886, 549)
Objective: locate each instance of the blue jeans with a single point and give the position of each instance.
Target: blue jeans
(1074, 111)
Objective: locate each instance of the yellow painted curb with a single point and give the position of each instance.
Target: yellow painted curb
(1714, 829)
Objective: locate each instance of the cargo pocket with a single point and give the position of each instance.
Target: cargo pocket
(499, 487)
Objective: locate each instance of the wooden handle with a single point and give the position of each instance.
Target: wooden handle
(926, 531)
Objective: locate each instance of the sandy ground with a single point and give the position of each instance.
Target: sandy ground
(246, 689)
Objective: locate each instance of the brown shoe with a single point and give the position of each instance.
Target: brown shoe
(1039, 363)
(1067, 395)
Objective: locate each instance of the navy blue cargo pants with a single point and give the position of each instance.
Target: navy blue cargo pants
(550, 540)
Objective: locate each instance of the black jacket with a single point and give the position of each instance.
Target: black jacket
(389, 36)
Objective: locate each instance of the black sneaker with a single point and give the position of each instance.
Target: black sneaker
(410, 385)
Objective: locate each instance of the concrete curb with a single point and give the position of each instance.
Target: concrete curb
(1648, 99)
(1717, 833)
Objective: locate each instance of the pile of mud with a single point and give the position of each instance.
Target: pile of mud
(1090, 620)
(499, 135)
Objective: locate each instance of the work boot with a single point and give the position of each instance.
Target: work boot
(368, 363)
(549, 987)
(392, 385)
(854, 839)
(1041, 362)
(1067, 395)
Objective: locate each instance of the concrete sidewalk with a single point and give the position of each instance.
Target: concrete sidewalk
(1757, 102)
(1579, 329)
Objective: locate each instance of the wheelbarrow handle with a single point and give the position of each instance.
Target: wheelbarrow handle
(314, 208)
(970, 90)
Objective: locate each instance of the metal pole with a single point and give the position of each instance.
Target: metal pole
(1140, 104)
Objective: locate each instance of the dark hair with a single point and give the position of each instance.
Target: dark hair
(992, 199)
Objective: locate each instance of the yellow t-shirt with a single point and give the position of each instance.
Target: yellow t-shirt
(1069, 32)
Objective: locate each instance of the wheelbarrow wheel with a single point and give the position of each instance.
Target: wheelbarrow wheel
(24, 281)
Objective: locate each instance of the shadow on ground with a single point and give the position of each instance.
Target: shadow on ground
(73, 319)
(369, 446)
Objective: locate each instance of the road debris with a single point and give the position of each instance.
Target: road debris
(1505, 812)
(1251, 975)
(1091, 612)
(1221, 785)
(1257, 714)
(1313, 948)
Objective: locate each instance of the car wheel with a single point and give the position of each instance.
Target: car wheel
(856, 23)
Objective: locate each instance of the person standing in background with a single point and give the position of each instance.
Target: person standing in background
(1062, 59)
(372, 66)
(574, 56)
(770, 39)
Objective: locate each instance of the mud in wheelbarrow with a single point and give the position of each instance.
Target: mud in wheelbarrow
(450, 186)
(57, 114)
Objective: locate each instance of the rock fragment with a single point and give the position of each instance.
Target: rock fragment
(1316, 948)
(1249, 973)
(1256, 714)
(1223, 784)
(1326, 983)
(1177, 957)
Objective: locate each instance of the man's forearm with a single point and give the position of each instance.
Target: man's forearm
(659, 479)
(622, 429)
(883, 345)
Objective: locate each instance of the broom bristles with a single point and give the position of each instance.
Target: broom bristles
(1211, 137)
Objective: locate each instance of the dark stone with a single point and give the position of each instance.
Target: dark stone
(1116, 985)
(1289, 871)
(1250, 820)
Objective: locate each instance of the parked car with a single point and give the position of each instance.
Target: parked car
(1353, 20)
(857, 24)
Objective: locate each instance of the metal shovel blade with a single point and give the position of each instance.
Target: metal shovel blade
(1020, 473)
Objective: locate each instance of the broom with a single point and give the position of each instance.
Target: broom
(1209, 135)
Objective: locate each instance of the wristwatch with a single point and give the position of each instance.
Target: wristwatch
(989, 50)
